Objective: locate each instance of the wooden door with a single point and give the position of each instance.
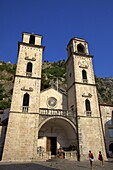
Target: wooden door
(48, 146)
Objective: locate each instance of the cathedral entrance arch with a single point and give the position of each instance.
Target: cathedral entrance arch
(56, 133)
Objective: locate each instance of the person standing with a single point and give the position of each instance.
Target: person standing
(100, 158)
(91, 159)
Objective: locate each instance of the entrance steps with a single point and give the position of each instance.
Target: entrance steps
(52, 159)
(56, 159)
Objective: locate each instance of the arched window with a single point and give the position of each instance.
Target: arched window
(112, 117)
(87, 102)
(32, 39)
(29, 69)
(25, 102)
(88, 107)
(80, 48)
(84, 76)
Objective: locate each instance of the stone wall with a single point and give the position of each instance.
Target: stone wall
(21, 139)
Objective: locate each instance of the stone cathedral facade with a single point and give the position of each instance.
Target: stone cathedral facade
(49, 123)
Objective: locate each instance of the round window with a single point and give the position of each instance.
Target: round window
(52, 102)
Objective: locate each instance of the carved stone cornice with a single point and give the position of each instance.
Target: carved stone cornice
(83, 66)
(86, 95)
(25, 89)
(31, 59)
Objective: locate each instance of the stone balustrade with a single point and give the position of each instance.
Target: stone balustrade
(88, 113)
(25, 108)
(71, 155)
(56, 112)
(44, 155)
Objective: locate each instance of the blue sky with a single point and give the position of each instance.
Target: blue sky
(59, 21)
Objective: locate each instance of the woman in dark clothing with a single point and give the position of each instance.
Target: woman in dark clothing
(100, 157)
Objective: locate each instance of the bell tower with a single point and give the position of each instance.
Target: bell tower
(82, 98)
(22, 131)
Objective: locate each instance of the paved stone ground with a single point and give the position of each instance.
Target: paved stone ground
(56, 165)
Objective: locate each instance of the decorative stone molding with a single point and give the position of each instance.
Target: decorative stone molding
(25, 89)
(86, 95)
(31, 59)
(83, 64)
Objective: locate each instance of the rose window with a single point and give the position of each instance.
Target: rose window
(52, 102)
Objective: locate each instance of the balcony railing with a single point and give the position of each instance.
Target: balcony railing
(25, 108)
(56, 112)
(28, 74)
(85, 81)
(88, 113)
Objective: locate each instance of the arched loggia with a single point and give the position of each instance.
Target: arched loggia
(55, 133)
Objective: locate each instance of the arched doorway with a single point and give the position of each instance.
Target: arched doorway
(57, 133)
(111, 150)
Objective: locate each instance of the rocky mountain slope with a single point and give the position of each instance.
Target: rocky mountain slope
(53, 74)
(105, 90)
